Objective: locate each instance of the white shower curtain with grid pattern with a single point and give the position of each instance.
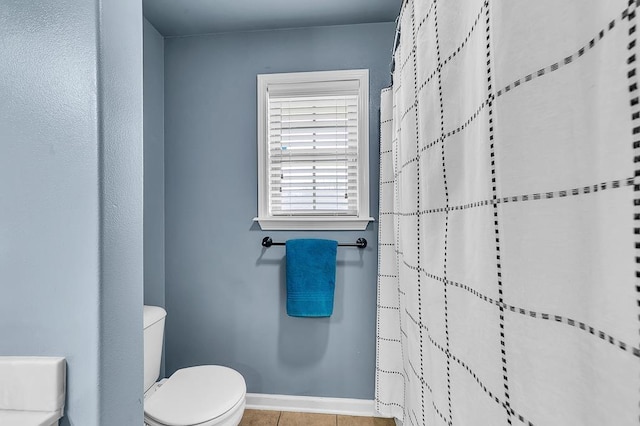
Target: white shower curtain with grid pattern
(510, 215)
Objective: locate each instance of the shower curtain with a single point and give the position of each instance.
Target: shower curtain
(510, 215)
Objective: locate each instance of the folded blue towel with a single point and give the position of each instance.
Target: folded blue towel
(311, 277)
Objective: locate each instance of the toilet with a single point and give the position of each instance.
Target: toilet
(205, 395)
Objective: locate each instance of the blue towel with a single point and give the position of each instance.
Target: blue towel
(311, 277)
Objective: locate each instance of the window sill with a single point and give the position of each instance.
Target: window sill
(313, 224)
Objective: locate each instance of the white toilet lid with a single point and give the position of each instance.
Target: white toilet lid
(196, 395)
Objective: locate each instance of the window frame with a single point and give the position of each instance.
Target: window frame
(294, 83)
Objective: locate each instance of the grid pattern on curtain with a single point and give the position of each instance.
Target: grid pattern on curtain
(313, 155)
(509, 215)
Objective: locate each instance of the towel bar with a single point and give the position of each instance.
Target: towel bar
(360, 243)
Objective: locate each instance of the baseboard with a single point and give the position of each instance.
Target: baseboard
(312, 404)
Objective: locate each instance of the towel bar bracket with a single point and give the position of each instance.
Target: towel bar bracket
(360, 243)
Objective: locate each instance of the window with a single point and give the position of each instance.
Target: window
(313, 150)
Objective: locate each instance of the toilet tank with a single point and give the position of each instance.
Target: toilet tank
(153, 318)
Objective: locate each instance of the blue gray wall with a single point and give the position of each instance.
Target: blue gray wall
(121, 207)
(224, 293)
(153, 166)
(70, 198)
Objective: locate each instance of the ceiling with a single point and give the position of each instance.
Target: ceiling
(188, 17)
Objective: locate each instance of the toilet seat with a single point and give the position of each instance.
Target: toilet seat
(203, 395)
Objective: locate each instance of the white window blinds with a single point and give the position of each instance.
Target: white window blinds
(313, 155)
(313, 150)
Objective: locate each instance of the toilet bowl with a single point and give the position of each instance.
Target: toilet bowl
(205, 395)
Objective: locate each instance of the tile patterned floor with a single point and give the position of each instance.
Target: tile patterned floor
(285, 418)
